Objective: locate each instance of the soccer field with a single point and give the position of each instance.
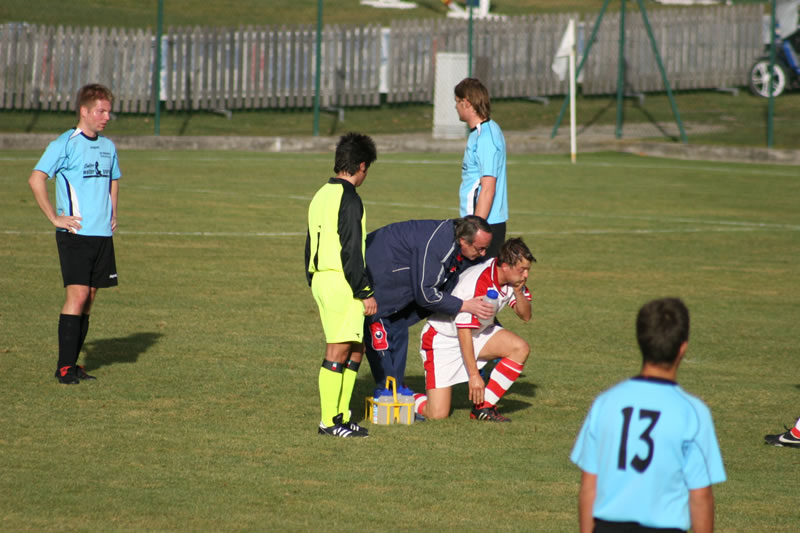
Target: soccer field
(207, 354)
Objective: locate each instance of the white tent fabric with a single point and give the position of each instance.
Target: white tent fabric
(786, 16)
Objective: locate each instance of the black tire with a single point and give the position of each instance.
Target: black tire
(759, 78)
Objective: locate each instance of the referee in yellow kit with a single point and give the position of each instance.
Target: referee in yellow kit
(337, 274)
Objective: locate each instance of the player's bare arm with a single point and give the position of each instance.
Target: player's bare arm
(522, 307)
(476, 385)
(586, 498)
(486, 196)
(477, 307)
(114, 196)
(38, 184)
(701, 510)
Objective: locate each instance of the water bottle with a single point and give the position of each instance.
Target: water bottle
(382, 410)
(490, 298)
(406, 412)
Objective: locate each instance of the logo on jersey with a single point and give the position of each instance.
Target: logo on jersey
(94, 171)
(379, 341)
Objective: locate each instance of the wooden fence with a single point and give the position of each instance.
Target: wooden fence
(41, 67)
(701, 48)
(202, 68)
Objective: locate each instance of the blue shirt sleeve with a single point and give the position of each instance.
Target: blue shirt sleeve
(429, 276)
(488, 156)
(584, 453)
(703, 460)
(52, 159)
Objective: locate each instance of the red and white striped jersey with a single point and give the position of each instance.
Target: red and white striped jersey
(475, 282)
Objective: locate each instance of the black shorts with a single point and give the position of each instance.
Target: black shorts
(604, 526)
(498, 238)
(86, 260)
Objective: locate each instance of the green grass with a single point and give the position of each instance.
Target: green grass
(207, 354)
(737, 120)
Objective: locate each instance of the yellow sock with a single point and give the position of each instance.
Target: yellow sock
(330, 389)
(348, 383)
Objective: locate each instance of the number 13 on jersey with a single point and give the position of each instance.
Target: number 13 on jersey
(639, 464)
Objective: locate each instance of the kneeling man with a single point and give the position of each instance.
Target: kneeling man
(454, 349)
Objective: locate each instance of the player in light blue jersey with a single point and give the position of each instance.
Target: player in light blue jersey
(483, 171)
(86, 173)
(647, 450)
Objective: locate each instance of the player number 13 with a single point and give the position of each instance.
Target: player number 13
(639, 464)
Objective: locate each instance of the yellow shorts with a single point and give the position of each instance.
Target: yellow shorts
(342, 315)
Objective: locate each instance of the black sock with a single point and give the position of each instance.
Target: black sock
(69, 331)
(84, 331)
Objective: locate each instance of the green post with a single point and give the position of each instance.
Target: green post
(620, 71)
(771, 86)
(157, 69)
(469, 42)
(664, 78)
(318, 68)
(589, 44)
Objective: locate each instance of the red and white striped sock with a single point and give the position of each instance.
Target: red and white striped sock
(796, 429)
(504, 375)
(420, 401)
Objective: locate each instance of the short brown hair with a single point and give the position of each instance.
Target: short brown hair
(513, 251)
(662, 326)
(474, 92)
(91, 93)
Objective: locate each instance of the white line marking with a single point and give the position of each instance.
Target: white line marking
(450, 208)
(758, 167)
(529, 232)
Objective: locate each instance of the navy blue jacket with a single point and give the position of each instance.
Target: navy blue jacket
(415, 262)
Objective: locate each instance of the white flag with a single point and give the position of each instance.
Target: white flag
(560, 64)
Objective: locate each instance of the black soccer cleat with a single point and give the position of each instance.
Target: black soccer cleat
(66, 375)
(786, 439)
(355, 428)
(81, 373)
(488, 413)
(338, 429)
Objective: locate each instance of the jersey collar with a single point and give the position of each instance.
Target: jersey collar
(654, 380)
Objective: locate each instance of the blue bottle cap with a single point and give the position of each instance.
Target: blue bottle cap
(491, 293)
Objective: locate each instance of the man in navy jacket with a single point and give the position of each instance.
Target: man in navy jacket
(412, 266)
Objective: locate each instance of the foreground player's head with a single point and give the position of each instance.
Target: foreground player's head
(473, 235)
(514, 261)
(662, 329)
(355, 152)
(93, 106)
(473, 91)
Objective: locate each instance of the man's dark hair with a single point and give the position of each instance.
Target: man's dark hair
(467, 227)
(513, 251)
(474, 92)
(88, 94)
(352, 150)
(661, 327)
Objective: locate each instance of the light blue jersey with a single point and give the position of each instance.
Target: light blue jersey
(649, 442)
(485, 155)
(83, 169)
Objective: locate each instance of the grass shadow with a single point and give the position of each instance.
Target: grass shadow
(596, 117)
(105, 352)
(654, 121)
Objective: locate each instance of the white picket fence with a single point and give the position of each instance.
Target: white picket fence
(42, 67)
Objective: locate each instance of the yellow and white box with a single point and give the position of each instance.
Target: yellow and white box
(383, 412)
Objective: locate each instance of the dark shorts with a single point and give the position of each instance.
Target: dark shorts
(498, 238)
(603, 526)
(86, 260)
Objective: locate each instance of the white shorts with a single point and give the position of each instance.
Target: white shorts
(441, 356)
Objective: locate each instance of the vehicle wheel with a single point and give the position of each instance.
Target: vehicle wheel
(759, 79)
